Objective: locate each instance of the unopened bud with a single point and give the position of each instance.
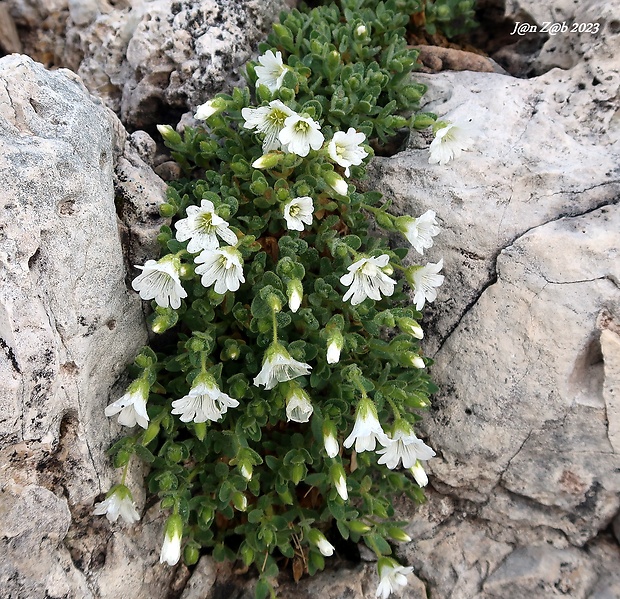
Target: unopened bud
(411, 327)
(336, 182)
(210, 108)
(169, 134)
(267, 160)
(295, 293)
(399, 535)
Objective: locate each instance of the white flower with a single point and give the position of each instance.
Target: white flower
(297, 212)
(366, 279)
(301, 133)
(271, 70)
(204, 402)
(419, 231)
(268, 120)
(132, 406)
(405, 446)
(171, 548)
(367, 429)
(202, 227)
(222, 266)
(118, 502)
(418, 473)
(392, 575)
(298, 406)
(160, 281)
(346, 149)
(361, 30)
(425, 280)
(449, 142)
(295, 294)
(279, 367)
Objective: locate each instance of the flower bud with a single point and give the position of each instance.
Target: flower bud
(169, 134)
(334, 346)
(361, 31)
(337, 476)
(316, 537)
(208, 109)
(330, 440)
(418, 473)
(336, 182)
(191, 553)
(295, 294)
(399, 535)
(411, 327)
(171, 549)
(358, 527)
(267, 160)
(274, 302)
(415, 360)
(240, 501)
(164, 319)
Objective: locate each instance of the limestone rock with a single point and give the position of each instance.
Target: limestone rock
(69, 326)
(150, 60)
(525, 332)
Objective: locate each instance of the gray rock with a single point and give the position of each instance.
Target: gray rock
(149, 60)
(69, 326)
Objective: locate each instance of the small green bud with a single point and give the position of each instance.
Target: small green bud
(167, 210)
(150, 433)
(443, 13)
(274, 302)
(399, 535)
(333, 60)
(164, 319)
(247, 554)
(297, 473)
(358, 527)
(174, 453)
(200, 430)
(385, 220)
(240, 501)
(191, 553)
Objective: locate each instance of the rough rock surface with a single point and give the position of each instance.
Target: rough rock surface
(68, 328)
(525, 332)
(149, 61)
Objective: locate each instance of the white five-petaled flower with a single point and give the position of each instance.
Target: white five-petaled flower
(366, 279)
(279, 367)
(300, 133)
(204, 402)
(118, 502)
(132, 405)
(392, 576)
(419, 231)
(271, 70)
(367, 428)
(222, 266)
(171, 548)
(449, 142)
(297, 212)
(268, 120)
(346, 149)
(405, 446)
(298, 406)
(425, 280)
(202, 227)
(160, 281)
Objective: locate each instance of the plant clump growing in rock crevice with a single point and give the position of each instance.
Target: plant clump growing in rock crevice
(282, 396)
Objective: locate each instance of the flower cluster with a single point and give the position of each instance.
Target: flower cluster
(291, 365)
